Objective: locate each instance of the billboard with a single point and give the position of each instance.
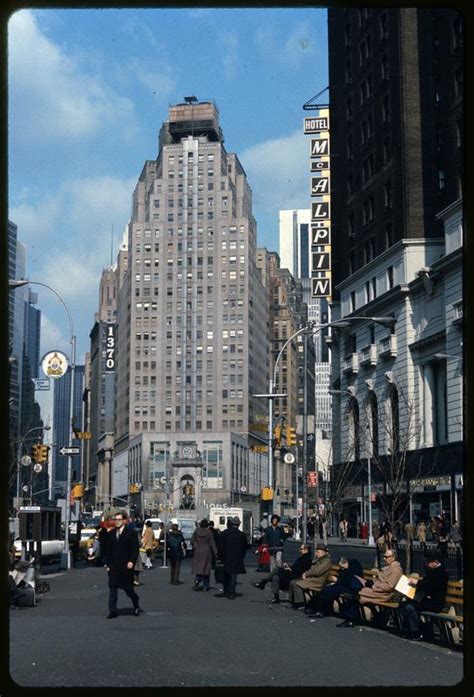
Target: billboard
(318, 126)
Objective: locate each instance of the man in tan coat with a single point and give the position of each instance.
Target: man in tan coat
(312, 580)
(387, 578)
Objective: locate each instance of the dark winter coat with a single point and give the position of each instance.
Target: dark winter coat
(301, 565)
(204, 547)
(232, 548)
(274, 537)
(432, 587)
(118, 552)
(175, 545)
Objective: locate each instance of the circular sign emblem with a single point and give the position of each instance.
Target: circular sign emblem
(37, 467)
(187, 452)
(26, 460)
(54, 364)
(289, 458)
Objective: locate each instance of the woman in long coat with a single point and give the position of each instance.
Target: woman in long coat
(204, 548)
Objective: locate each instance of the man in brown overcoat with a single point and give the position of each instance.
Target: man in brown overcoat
(387, 578)
(312, 580)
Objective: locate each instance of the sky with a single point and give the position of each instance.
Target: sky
(88, 92)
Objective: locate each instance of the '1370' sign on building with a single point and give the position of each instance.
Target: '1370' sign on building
(318, 127)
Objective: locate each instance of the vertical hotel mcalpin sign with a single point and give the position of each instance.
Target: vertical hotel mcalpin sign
(318, 127)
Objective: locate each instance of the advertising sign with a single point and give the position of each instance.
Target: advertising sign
(110, 348)
(312, 479)
(318, 126)
(54, 364)
(315, 124)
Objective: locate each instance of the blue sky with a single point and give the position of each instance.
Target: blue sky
(88, 92)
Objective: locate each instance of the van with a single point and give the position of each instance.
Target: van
(220, 515)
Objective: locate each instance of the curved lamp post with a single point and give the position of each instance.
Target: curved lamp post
(18, 283)
(386, 321)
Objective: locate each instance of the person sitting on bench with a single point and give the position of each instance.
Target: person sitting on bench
(281, 576)
(313, 580)
(346, 584)
(430, 596)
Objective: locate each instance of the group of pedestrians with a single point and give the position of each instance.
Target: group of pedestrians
(120, 552)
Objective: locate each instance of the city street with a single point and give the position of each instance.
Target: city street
(184, 638)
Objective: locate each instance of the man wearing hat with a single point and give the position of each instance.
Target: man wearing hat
(275, 537)
(430, 595)
(312, 580)
(231, 547)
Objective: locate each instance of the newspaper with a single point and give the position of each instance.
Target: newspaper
(405, 588)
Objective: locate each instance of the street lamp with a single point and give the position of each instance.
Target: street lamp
(386, 321)
(18, 283)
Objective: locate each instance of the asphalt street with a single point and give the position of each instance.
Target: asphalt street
(187, 638)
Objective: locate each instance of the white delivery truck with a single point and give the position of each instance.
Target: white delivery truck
(219, 515)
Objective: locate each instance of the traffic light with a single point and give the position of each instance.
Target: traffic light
(290, 435)
(43, 453)
(277, 435)
(39, 453)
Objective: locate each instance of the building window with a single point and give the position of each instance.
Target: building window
(354, 428)
(348, 72)
(440, 179)
(394, 422)
(388, 235)
(373, 425)
(364, 50)
(352, 301)
(385, 68)
(367, 168)
(368, 210)
(352, 265)
(390, 277)
(388, 194)
(386, 109)
(367, 128)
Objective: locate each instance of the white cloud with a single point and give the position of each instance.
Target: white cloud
(229, 47)
(50, 96)
(68, 238)
(52, 337)
(278, 173)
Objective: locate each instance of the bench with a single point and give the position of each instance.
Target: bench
(450, 622)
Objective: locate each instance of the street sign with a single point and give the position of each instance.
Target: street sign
(26, 460)
(69, 451)
(243, 489)
(37, 468)
(289, 458)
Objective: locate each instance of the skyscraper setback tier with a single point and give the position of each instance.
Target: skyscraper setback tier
(192, 303)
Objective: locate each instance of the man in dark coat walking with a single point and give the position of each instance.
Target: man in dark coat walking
(232, 546)
(120, 555)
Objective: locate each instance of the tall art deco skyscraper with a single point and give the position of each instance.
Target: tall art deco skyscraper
(192, 344)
